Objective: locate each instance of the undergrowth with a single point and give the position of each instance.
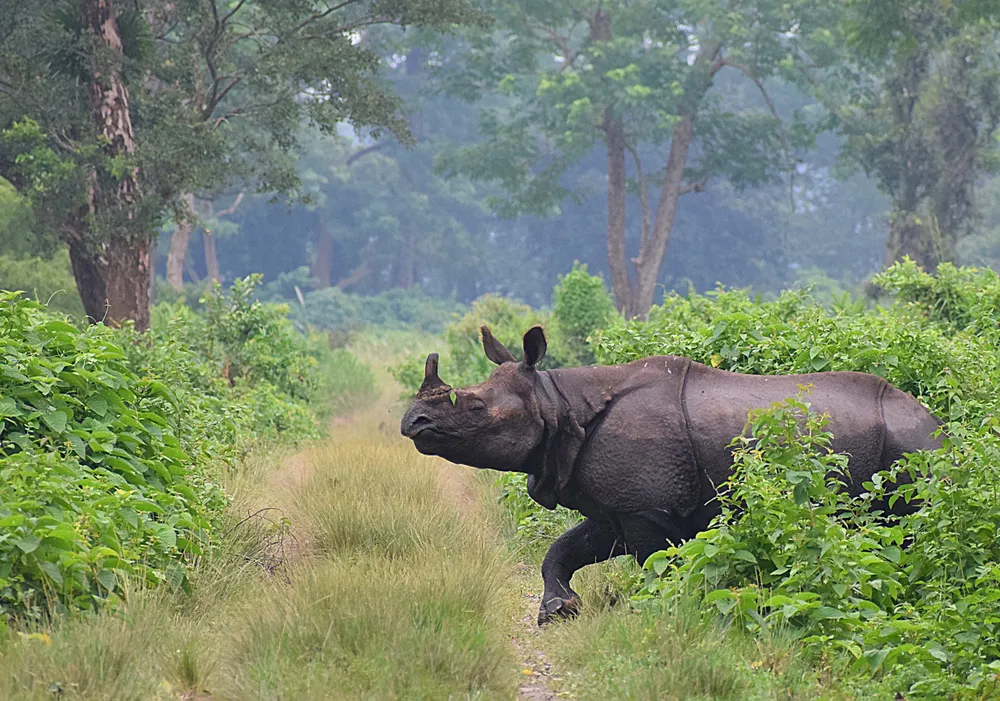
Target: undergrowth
(112, 442)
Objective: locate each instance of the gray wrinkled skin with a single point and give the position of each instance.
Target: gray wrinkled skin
(639, 448)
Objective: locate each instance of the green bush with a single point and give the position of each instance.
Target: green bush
(791, 552)
(333, 309)
(49, 281)
(581, 306)
(792, 334)
(110, 440)
(957, 298)
(95, 483)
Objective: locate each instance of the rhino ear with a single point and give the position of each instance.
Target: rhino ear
(534, 346)
(495, 350)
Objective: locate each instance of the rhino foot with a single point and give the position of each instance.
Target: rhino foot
(558, 607)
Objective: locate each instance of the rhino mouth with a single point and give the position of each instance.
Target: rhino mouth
(417, 426)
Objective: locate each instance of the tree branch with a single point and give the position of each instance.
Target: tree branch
(643, 193)
(359, 274)
(357, 155)
(230, 209)
(232, 12)
(785, 142)
(695, 186)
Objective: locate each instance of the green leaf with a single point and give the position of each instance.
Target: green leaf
(28, 543)
(60, 327)
(52, 570)
(827, 612)
(8, 407)
(97, 404)
(55, 420)
(107, 579)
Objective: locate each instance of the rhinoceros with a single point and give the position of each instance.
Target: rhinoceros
(640, 448)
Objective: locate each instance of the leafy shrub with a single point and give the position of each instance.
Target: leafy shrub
(95, 483)
(49, 281)
(792, 334)
(792, 552)
(958, 298)
(109, 439)
(581, 307)
(333, 309)
(789, 547)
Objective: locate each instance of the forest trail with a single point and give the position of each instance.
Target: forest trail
(460, 487)
(355, 568)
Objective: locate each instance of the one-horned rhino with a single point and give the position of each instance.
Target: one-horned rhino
(639, 448)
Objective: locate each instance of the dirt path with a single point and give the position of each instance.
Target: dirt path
(536, 668)
(458, 485)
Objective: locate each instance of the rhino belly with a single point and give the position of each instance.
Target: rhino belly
(717, 404)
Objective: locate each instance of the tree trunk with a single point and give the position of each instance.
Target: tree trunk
(322, 267)
(211, 259)
(407, 261)
(111, 263)
(179, 246)
(647, 264)
(152, 271)
(614, 140)
(113, 281)
(913, 235)
(621, 286)
(650, 258)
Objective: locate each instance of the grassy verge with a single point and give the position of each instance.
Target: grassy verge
(386, 593)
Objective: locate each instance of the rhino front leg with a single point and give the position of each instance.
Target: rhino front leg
(586, 543)
(596, 541)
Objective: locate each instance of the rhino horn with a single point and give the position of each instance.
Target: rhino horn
(432, 386)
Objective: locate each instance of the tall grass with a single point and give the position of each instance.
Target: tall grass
(402, 598)
(393, 593)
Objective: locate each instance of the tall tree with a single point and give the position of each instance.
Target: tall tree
(920, 114)
(173, 98)
(638, 78)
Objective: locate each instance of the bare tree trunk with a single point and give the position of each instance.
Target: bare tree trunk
(113, 284)
(211, 259)
(407, 261)
(153, 252)
(112, 275)
(621, 286)
(650, 258)
(179, 246)
(614, 139)
(913, 235)
(322, 267)
(647, 264)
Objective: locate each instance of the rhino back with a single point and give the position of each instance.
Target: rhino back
(860, 407)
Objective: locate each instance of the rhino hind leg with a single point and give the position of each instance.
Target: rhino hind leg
(595, 541)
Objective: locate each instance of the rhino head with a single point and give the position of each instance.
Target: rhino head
(497, 424)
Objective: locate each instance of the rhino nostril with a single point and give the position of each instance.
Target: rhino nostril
(418, 423)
